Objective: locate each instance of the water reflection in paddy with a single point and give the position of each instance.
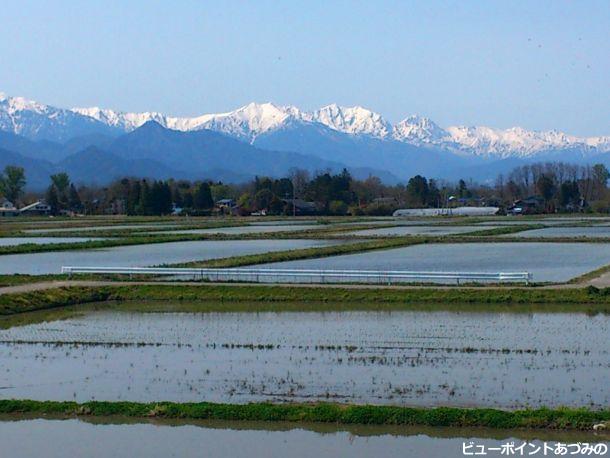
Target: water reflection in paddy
(547, 261)
(100, 438)
(399, 357)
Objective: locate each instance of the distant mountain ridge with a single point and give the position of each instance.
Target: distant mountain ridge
(38, 121)
(252, 120)
(267, 139)
(153, 151)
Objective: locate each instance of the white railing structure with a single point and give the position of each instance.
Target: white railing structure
(307, 275)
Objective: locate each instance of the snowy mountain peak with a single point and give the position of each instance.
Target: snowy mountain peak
(16, 104)
(418, 130)
(123, 121)
(353, 120)
(38, 121)
(250, 121)
(245, 123)
(514, 141)
(263, 116)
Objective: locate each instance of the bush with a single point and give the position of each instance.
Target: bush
(600, 206)
(379, 210)
(337, 207)
(355, 210)
(592, 290)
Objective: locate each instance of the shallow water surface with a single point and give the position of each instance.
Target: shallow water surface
(556, 262)
(13, 241)
(250, 229)
(567, 221)
(419, 230)
(582, 231)
(419, 358)
(76, 438)
(109, 227)
(147, 255)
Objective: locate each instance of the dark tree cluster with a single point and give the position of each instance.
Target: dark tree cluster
(561, 187)
(157, 197)
(62, 195)
(331, 193)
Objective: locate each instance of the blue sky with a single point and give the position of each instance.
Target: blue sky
(538, 64)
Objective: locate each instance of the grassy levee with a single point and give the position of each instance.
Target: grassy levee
(338, 294)
(504, 230)
(562, 418)
(591, 300)
(22, 279)
(51, 298)
(590, 275)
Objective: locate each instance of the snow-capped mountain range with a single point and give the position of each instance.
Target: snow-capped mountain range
(38, 121)
(252, 120)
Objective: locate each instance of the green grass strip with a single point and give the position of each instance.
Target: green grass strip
(504, 230)
(562, 418)
(50, 298)
(588, 299)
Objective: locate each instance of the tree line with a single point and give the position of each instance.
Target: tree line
(561, 186)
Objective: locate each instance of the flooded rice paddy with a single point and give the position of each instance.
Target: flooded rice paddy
(148, 254)
(599, 231)
(113, 438)
(251, 229)
(419, 230)
(14, 241)
(566, 221)
(421, 358)
(555, 262)
(108, 227)
(285, 222)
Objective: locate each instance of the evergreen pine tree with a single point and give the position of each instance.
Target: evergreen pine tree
(145, 203)
(52, 200)
(202, 199)
(74, 202)
(133, 198)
